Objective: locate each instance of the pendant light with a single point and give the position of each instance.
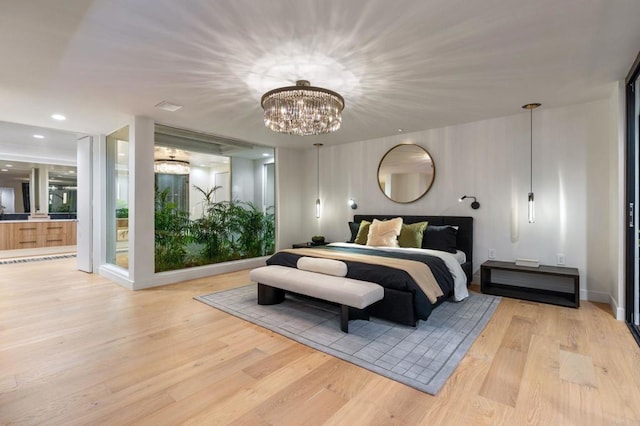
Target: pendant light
(318, 145)
(531, 202)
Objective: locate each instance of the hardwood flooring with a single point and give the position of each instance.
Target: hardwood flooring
(78, 349)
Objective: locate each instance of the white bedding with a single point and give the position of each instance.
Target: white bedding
(452, 261)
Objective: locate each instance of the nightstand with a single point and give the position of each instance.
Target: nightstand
(547, 284)
(308, 244)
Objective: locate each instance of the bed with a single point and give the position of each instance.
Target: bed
(405, 301)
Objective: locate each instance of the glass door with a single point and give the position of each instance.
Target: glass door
(633, 201)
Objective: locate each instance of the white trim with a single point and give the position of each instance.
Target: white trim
(621, 212)
(99, 202)
(595, 296)
(141, 201)
(84, 233)
(617, 310)
(171, 277)
(116, 274)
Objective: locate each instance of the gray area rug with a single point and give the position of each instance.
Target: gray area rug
(423, 357)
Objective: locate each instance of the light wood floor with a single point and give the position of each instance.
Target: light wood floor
(78, 349)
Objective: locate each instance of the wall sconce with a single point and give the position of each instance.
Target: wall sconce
(353, 204)
(474, 204)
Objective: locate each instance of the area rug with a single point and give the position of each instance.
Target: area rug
(422, 357)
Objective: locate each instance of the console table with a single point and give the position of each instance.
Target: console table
(547, 284)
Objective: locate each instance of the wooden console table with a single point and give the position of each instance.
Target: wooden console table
(547, 284)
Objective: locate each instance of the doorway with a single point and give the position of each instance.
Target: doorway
(40, 182)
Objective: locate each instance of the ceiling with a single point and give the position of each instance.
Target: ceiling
(409, 64)
(21, 171)
(18, 143)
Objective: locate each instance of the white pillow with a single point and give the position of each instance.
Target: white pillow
(323, 266)
(384, 233)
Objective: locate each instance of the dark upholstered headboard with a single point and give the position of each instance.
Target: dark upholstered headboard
(464, 236)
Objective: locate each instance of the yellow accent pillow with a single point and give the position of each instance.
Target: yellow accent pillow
(411, 234)
(363, 232)
(384, 233)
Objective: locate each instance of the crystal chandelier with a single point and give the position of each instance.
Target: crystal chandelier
(302, 109)
(171, 166)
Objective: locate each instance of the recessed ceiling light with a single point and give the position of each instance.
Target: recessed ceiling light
(4, 170)
(38, 136)
(168, 106)
(8, 165)
(202, 165)
(71, 172)
(400, 130)
(266, 155)
(58, 117)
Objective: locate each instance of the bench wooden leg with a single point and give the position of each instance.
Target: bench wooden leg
(348, 312)
(268, 295)
(344, 318)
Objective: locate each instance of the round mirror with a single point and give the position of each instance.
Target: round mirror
(406, 173)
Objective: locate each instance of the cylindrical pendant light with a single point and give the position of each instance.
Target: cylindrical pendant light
(531, 202)
(318, 145)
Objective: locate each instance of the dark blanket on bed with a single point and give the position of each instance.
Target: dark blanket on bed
(386, 276)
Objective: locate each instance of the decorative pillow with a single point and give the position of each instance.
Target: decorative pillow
(323, 266)
(440, 238)
(384, 233)
(354, 228)
(411, 234)
(363, 232)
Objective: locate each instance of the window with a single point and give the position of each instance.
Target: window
(209, 195)
(118, 198)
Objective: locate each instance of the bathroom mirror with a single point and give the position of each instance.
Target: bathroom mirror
(405, 173)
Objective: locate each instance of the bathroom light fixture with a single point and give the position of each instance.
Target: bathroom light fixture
(38, 136)
(353, 204)
(302, 109)
(531, 202)
(474, 204)
(171, 166)
(318, 145)
(58, 117)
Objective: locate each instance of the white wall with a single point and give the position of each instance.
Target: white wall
(259, 180)
(11, 196)
(617, 190)
(290, 187)
(242, 179)
(572, 154)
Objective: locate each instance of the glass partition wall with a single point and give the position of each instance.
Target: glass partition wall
(117, 219)
(213, 199)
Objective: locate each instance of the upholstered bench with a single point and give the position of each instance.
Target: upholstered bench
(273, 280)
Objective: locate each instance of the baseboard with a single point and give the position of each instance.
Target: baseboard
(116, 274)
(171, 277)
(618, 311)
(595, 296)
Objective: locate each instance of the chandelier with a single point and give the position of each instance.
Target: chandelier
(302, 109)
(171, 166)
